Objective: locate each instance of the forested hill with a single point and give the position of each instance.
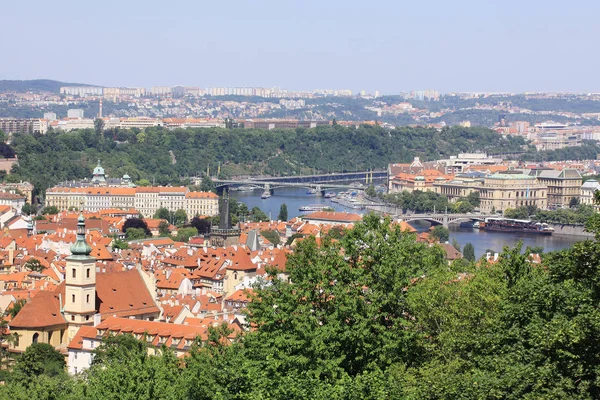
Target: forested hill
(35, 85)
(48, 159)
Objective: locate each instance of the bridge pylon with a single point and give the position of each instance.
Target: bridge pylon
(319, 190)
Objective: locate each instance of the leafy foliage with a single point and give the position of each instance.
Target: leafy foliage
(374, 315)
(440, 233)
(283, 213)
(46, 160)
(271, 236)
(136, 223)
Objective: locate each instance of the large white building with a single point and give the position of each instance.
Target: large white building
(81, 91)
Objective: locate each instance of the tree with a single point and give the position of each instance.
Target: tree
(291, 239)
(50, 210)
(207, 185)
(455, 244)
(469, 252)
(33, 264)
(371, 192)
(283, 212)
(352, 329)
(162, 213)
(257, 215)
(38, 359)
(184, 234)
(574, 202)
(135, 233)
(121, 368)
(119, 244)
(163, 228)
(474, 199)
(180, 217)
(98, 126)
(271, 236)
(202, 225)
(138, 224)
(28, 209)
(143, 182)
(440, 233)
(16, 307)
(243, 212)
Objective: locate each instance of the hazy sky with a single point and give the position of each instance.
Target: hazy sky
(390, 46)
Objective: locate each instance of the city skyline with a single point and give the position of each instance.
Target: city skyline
(459, 47)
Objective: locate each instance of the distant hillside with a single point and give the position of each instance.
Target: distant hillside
(35, 85)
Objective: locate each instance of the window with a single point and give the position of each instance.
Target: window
(74, 273)
(87, 273)
(87, 298)
(72, 298)
(36, 336)
(72, 318)
(87, 317)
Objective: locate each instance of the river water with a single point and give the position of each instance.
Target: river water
(295, 198)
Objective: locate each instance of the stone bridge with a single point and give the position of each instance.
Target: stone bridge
(433, 218)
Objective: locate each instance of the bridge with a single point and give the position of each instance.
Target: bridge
(269, 185)
(320, 182)
(358, 176)
(433, 218)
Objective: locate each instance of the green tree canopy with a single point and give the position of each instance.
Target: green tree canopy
(283, 212)
(33, 264)
(162, 213)
(440, 233)
(469, 252)
(38, 359)
(163, 228)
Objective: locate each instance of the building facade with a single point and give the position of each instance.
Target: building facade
(563, 185)
(511, 190)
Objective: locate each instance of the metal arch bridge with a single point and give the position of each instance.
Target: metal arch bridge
(271, 185)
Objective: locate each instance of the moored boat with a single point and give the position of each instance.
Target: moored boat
(314, 207)
(266, 194)
(515, 225)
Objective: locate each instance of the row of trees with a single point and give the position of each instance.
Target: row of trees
(376, 314)
(45, 160)
(578, 215)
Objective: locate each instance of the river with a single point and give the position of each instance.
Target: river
(294, 198)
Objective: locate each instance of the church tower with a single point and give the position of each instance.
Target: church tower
(98, 176)
(224, 235)
(80, 283)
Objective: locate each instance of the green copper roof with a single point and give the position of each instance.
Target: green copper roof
(511, 176)
(80, 247)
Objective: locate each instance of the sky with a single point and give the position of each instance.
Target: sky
(390, 46)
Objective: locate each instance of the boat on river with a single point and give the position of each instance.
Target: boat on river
(244, 188)
(509, 225)
(314, 207)
(329, 195)
(266, 194)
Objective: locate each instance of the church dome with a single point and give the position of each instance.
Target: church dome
(80, 247)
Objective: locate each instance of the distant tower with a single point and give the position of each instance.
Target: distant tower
(502, 119)
(30, 227)
(80, 283)
(98, 176)
(224, 235)
(100, 109)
